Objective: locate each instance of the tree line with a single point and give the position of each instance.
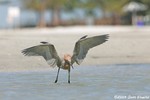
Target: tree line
(55, 6)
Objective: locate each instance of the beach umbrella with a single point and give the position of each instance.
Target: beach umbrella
(134, 7)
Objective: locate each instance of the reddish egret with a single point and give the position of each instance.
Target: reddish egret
(49, 53)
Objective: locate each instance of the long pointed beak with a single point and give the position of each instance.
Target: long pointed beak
(71, 65)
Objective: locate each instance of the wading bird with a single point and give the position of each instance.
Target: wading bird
(49, 53)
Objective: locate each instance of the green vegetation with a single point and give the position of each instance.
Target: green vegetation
(113, 6)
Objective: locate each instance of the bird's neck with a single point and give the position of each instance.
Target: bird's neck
(67, 62)
(67, 57)
(66, 65)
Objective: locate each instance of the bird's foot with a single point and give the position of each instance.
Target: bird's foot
(69, 82)
(55, 81)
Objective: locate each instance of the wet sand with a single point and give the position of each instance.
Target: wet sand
(126, 45)
(87, 83)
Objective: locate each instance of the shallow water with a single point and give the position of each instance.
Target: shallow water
(87, 83)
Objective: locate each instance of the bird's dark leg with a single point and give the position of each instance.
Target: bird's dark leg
(69, 75)
(57, 75)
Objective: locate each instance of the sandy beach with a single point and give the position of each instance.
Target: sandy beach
(126, 45)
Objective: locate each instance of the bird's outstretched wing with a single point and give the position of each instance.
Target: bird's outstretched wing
(48, 51)
(84, 44)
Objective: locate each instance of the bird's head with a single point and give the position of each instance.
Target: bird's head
(67, 57)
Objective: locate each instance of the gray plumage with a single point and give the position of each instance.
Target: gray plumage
(80, 51)
(81, 48)
(48, 51)
(84, 44)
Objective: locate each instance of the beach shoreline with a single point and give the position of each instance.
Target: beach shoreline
(126, 45)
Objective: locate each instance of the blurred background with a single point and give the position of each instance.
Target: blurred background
(51, 13)
(121, 66)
